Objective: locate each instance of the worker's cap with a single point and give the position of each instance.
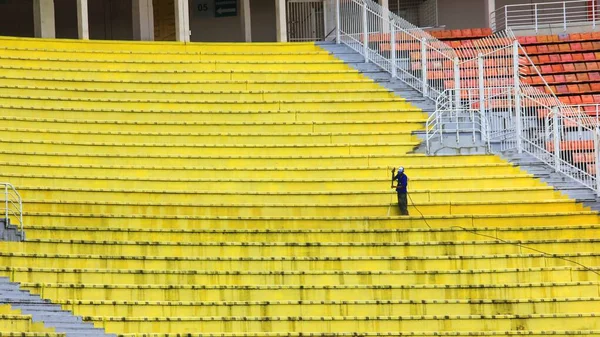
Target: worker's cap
(400, 169)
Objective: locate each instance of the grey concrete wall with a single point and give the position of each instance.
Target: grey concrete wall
(65, 14)
(460, 14)
(16, 18)
(110, 19)
(206, 27)
(263, 20)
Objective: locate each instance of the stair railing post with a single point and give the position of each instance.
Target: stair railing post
(593, 14)
(517, 88)
(457, 95)
(484, 127)
(556, 136)
(565, 16)
(393, 48)
(6, 205)
(535, 13)
(365, 27)
(424, 66)
(338, 33)
(597, 158)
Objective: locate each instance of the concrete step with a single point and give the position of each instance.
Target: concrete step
(44, 311)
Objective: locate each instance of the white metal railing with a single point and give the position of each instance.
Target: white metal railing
(407, 52)
(560, 14)
(484, 76)
(12, 204)
(464, 120)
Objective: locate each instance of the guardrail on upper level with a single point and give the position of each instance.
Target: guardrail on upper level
(407, 52)
(536, 16)
(12, 204)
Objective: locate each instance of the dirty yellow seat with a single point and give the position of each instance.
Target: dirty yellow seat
(243, 190)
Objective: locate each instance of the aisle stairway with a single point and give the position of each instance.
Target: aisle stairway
(243, 190)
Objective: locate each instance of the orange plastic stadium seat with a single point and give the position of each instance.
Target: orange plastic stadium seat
(531, 50)
(589, 56)
(543, 39)
(559, 68)
(572, 145)
(583, 157)
(584, 88)
(543, 49)
(595, 87)
(591, 168)
(596, 45)
(569, 78)
(587, 99)
(552, 58)
(580, 67)
(575, 100)
(594, 76)
(583, 77)
(577, 57)
(568, 67)
(576, 46)
(573, 88)
(564, 57)
(546, 69)
(560, 78)
(574, 37)
(587, 46)
(562, 89)
(563, 47)
(527, 40)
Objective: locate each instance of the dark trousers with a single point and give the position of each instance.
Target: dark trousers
(402, 203)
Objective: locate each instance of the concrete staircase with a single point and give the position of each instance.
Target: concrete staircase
(10, 232)
(558, 180)
(46, 312)
(461, 143)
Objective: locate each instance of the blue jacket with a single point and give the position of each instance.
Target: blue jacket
(402, 182)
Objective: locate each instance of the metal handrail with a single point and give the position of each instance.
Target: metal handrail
(13, 205)
(545, 14)
(475, 74)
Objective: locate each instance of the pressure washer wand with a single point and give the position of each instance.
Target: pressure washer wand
(393, 174)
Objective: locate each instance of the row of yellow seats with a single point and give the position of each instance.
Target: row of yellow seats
(353, 209)
(349, 324)
(384, 195)
(312, 277)
(333, 308)
(324, 263)
(36, 231)
(175, 292)
(256, 115)
(469, 221)
(197, 86)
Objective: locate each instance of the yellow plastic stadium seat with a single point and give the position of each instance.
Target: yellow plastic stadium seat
(243, 190)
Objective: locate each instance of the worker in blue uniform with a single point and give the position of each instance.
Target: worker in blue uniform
(401, 181)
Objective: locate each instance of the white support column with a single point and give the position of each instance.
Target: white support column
(43, 19)
(281, 20)
(517, 88)
(556, 138)
(385, 4)
(246, 20)
(182, 21)
(424, 61)
(338, 23)
(457, 89)
(597, 158)
(490, 7)
(83, 26)
(485, 132)
(143, 20)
